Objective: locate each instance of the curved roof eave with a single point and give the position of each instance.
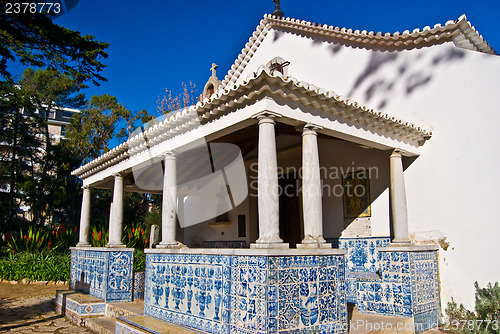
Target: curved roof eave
(461, 32)
(239, 94)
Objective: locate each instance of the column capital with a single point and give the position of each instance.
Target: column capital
(397, 153)
(87, 187)
(169, 155)
(266, 116)
(118, 176)
(311, 129)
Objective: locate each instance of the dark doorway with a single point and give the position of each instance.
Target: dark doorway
(290, 230)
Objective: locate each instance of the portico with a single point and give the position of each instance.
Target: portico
(167, 140)
(275, 123)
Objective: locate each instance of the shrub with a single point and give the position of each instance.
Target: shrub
(62, 239)
(139, 260)
(36, 240)
(44, 266)
(485, 320)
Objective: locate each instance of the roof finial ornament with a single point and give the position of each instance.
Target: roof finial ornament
(214, 68)
(277, 11)
(212, 84)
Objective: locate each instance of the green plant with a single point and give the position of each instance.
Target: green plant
(62, 238)
(44, 266)
(34, 240)
(486, 318)
(135, 236)
(139, 260)
(99, 236)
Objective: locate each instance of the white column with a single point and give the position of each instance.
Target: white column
(169, 203)
(116, 221)
(311, 190)
(268, 192)
(85, 219)
(398, 199)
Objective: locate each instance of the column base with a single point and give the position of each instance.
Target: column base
(323, 245)
(81, 244)
(280, 245)
(120, 245)
(309, 239)
(171, 244)
(401, 241)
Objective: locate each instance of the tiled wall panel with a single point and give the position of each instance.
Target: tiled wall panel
(247, 294)
(408, 287)
(362, 257)
(102, 273)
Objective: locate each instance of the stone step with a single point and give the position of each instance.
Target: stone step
(144, 324)
(107, 324)
(362, 323)
(116, 310)
(101, 325)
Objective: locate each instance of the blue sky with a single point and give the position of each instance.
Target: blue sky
(157, 44)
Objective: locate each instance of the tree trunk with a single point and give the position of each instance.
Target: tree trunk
(13, 187)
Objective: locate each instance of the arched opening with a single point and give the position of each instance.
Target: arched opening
(209, 91)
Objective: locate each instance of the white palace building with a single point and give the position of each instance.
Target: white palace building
(328, 167)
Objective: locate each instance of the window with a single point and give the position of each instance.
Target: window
(67, 114)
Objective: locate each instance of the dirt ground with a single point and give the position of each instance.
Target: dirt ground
(29, 308)
(23, 291)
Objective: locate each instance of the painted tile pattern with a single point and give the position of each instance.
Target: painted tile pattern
(307, 294)
(77, 311)
(139, 281)
(87, 272)
(187, 290)
(247, 294)
(120, 276)
(362, 257)
(408, 287)
(390, 295)
(102, 274)
(425, 290)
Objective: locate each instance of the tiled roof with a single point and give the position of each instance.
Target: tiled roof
(259, 83)
(461, 32)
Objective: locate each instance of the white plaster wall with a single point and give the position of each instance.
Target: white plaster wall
(338, 158)
(203, 232)
(453, 186)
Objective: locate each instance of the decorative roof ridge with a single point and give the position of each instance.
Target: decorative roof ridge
(476, 40)
(183, 118)
(461, 32)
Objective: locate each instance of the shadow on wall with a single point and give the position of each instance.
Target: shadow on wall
(389, 73)
(81, 286)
